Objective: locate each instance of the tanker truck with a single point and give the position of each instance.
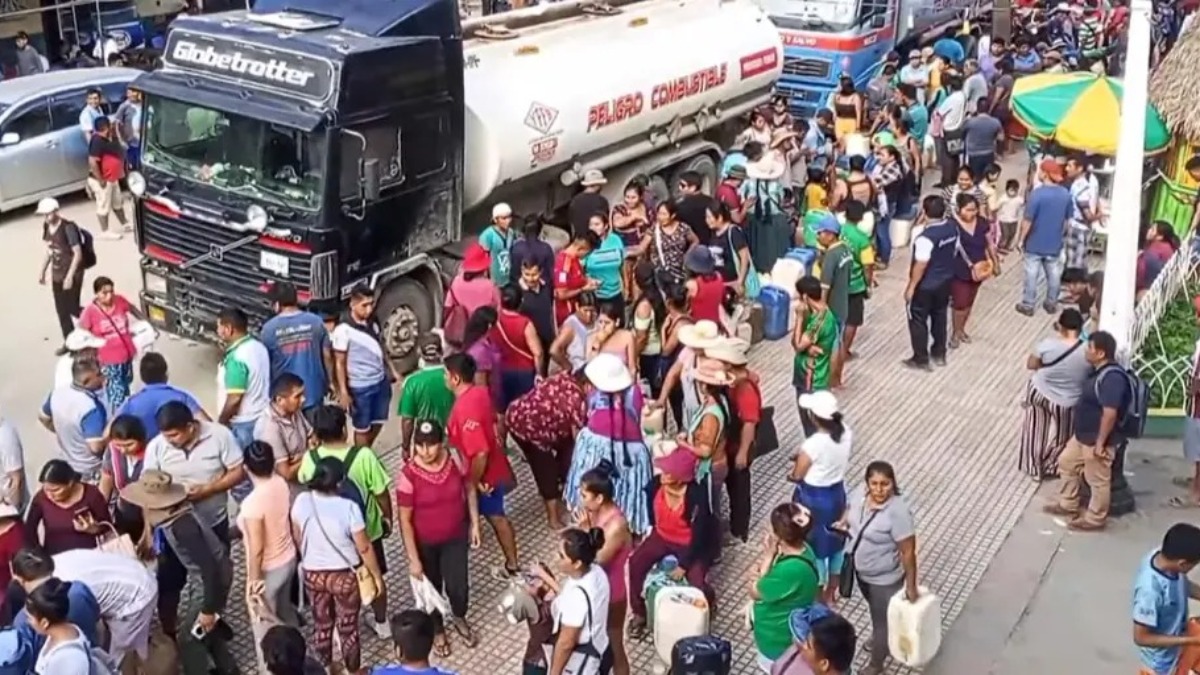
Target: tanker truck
(331, 143)
(825, 38)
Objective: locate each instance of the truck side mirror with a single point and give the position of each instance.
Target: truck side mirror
(370, 178)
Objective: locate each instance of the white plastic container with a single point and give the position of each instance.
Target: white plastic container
(679, 612)
(914, 628)
(900, 230)
(785, 273)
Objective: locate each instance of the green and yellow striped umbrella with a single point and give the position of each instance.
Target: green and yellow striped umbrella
(1080, 111)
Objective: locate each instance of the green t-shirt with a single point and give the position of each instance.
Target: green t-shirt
(790, 584)
(367, 473)
(812, 372)
(809, 223)
(837, 265)
(425, 396)
(862, 254)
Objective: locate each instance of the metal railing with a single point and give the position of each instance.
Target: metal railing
(1165, 365)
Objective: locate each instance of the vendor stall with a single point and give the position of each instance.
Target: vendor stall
(1173, 87)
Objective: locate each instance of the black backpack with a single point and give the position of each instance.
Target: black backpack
(87, 245)
(702, 655)
(347, 489)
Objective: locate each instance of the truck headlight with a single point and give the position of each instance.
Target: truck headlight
(155, 284)
(256, 218)
(136, 182)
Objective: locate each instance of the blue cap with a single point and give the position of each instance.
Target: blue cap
(801, 620)
(829, 223)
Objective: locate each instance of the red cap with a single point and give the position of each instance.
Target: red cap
(476, 259)
(1052, 170)
(681, 464)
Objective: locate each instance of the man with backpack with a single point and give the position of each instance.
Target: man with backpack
(367, 484)
(69, 251)
(1110, 410)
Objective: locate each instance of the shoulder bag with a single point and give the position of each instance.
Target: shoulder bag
(753, 283)
(367, 589)
(585, 658)
(849, 573)
(980, 271)
(1063, 356)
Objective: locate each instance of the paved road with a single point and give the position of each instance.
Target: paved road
(951, 435)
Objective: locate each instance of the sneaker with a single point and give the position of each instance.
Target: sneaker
(382, 629)
(1050, 307)
(916, 365)
(1027, 311)
(939, 361)
(109, 235)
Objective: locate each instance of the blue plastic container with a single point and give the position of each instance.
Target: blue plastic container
(776, 304)
(807, 256)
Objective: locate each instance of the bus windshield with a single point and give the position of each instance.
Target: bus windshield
(822, 16)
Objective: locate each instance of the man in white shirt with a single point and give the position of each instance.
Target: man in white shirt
(1085, 198)
(125, 590)
(916, 73)
(952, 113)
(14, 489)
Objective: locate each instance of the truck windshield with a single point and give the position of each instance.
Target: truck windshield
(235, 153)
(823, 16)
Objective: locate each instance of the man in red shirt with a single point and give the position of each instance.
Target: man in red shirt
(106, 168)
(471, 429)
(729, 192)
(569, 279)
(746, 403)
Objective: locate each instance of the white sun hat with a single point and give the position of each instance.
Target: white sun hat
(822, 403)
(700, 335)
(608, 373)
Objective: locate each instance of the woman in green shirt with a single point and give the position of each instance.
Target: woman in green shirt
(814, 339)
(787, 581)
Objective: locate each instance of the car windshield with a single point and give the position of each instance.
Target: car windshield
(822, 16)
(235, 153)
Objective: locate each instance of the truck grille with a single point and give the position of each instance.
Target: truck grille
(241, 268)
(802, 67)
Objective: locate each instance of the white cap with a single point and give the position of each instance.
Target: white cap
(47, 206)
(822, 403)
(501, 210)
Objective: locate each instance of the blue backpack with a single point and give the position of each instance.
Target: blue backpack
(17, 650)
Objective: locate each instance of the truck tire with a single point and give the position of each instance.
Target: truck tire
(701, 164)
(405, 309)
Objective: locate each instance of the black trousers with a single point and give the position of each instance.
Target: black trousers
(172, 578)
(737, 484)
(445, 566)
(927, 316)
(66, 304)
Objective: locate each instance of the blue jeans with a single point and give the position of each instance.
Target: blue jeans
(1034, 266)
(883, 239)
(243, 433)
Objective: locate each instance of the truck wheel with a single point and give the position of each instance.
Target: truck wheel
(703, 165)
(406, 310)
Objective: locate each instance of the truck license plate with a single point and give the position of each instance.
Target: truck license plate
(157, 315)
(274, 262)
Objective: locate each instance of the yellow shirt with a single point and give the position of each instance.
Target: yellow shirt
(815, 196)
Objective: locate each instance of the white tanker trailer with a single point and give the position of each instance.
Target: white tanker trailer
(331, 143)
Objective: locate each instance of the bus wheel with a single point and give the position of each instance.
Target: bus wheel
(406, 310)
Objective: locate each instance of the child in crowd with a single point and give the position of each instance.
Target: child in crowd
(412, 641)
(1009, 208)
(816, 197)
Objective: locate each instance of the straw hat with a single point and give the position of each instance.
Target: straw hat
(700, 335)
(780, 135)
(155, 491)
(608, 373)
(593, 177)
(729, 350)
(766, 168)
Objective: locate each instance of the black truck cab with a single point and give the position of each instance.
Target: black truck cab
(318, 142)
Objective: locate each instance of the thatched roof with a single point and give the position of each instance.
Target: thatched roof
(1175, 86)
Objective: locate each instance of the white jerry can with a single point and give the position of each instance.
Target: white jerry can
(679, 612)
(914, 628)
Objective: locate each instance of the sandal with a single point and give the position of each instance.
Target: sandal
(1182, 503)
(638, 630)
(441, 645)
(464, 631)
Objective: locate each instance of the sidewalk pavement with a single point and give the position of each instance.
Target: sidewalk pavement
(1055, 601)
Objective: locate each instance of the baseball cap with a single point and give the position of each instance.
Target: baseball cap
(1052, 170)
(428, 432)
(429, 347)
(501, 210)
(829, 223)
(47, 206)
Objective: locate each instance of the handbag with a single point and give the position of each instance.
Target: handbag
(367, 588)
(584, 659)
(753, 283)
(980, 271)
(113, 542)
(849, 572)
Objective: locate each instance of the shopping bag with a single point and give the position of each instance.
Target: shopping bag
(427, 598)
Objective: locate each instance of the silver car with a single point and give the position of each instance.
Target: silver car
(41, 143)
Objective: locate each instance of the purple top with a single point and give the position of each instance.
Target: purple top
(487, 358)
(624, 424)
(973, 248)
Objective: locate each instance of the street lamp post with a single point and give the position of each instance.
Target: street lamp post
(1120, 256)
